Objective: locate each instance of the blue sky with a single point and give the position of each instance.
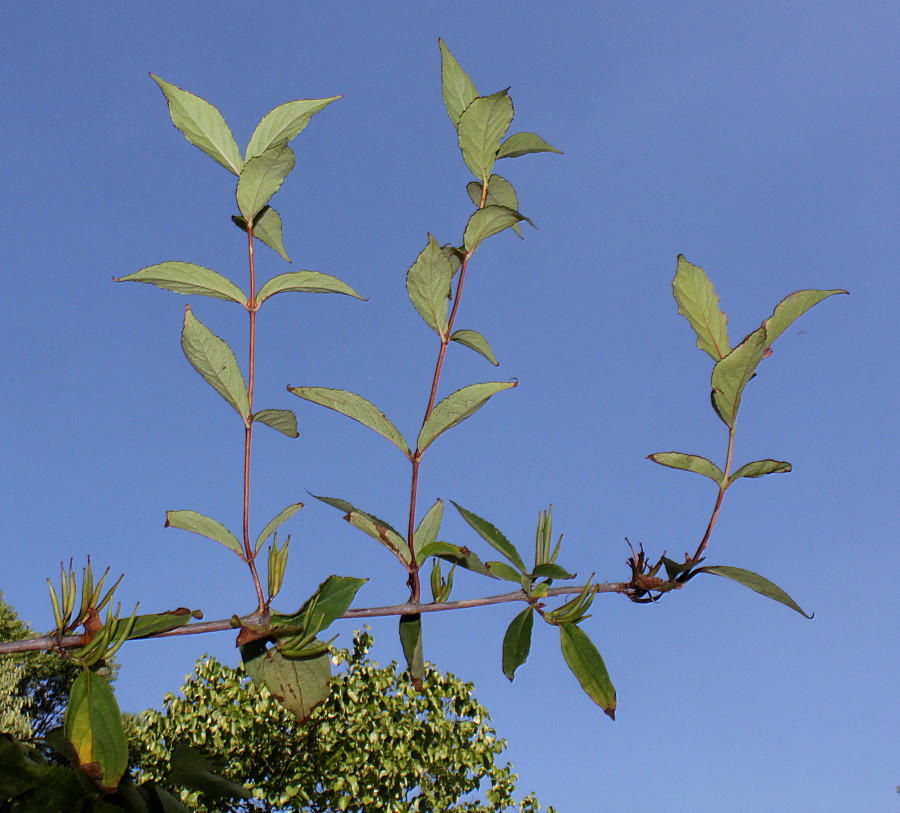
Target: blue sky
(758, 139)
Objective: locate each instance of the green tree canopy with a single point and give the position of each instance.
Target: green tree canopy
(374, 745)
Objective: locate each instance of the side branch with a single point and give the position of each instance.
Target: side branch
(202, 627)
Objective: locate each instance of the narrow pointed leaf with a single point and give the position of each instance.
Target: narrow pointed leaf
(456, 407)
(792, 308)
(261, 177)
(334, 502)
(93, 726)
(550, 570)
(481, 126)
(282, 420)
(204, 526)
(214, 360)
(299, 684)
(503, 571)
(517, 642)
(456, 87)
(475, 341)
(266, 229)
(284, 123)
(411, 641)
(731, 374)
(372, 526)
(487, 222)
(155, 623)
(587, 665)
(492, 536)
(500, 192)
(356, 407)
(443, 550)
(304, 282)
(689, 462)
(202, 125)
(458, 555)
(699, 304)
(755, 582)
(520, 144)
(428, 528)
(275, 523)
(330, 601)
(428, 285)
(759, 468)
(188, 278)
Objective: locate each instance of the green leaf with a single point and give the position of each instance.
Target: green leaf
(284, 123)
(192, 770)
(204, 526)
(458, 555)
(187, 278)
(202, 125)
(549, 570)
(474, 341)
(456, 407)
(456, 87)
(755, 582)
(517, 642)
(283, 420)
(261, 178)
(275, 523)
(689, 462)
(487, 222)
(428, 285)
(586, 664)
(732, 373)
(356, 407)
(214, 360)
(503, 571)
(699, 304)
(331, 600)
(792, 308)
(759, 468)
(427, 531)
(304, 282)
(500, 192)
(481, 126)
(93, 725)
(371, 525)
(299, 684)
(266, 229)
(520, 144)
(156, 623)
(411, 641)
(492, 536)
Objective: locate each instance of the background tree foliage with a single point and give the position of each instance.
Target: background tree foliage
(374, 745)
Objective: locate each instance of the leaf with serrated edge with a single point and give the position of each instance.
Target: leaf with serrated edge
(689, 462)
(284, 123)
(732, 373)
(261, 178)
(503, 571)
(93, 726)
(550, 570)
(517, 642)
(299, 684)
(427, 530)
(759, 468)
(331, 600)
(462, 557)
(487, 222)
(334, 502)
(155, 623)
(202, 125)
(481, 126)
(282, 420)
(492, 536)
(304, 282)
(456, 407)
(755, 582)
(500, 192)
(215, 361)
(520, 144)
(379, 530)
(456, 87)
(356, 407)
(699, 304)
(441, 549)
(475, 341)
(587, 665)
(428, 285)
(792, 308)
(266, 229)
(275, 523)
(188, 278)
(204, 526)
(411, 641)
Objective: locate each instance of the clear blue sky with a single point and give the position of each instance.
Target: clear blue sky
(757, 138)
